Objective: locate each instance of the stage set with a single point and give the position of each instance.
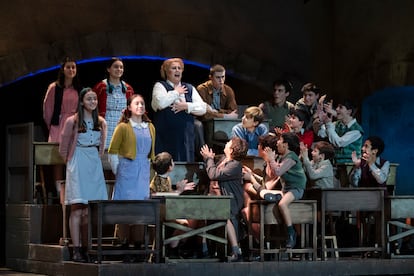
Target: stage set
(332, 223)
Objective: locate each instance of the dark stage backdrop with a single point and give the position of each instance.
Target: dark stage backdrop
(389, 114)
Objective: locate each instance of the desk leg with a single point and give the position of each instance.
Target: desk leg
(323, 241)
(43, 184)
(89, 230)
(261, 233)
(382, 232)
(99, 233)
(64, 240)
(163, 239)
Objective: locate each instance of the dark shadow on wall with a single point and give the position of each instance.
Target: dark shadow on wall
(389, 114)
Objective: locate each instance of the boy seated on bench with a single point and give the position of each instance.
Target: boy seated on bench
(288, 167)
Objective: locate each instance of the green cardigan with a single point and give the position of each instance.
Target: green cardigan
(123, 141)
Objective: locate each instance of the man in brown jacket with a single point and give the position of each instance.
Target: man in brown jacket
(221, 103)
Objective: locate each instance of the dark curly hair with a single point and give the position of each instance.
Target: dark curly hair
(377, 143)
(292, 140)
(268, 140)
(239, 147)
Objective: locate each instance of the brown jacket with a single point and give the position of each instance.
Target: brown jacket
(227, 100)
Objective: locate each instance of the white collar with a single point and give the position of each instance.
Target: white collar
(171, 83)
(164, 175)
(350, 123)
(138, 125)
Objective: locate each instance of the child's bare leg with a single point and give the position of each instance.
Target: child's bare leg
(284, 209)
(84, 227)
(123, 233)
(184, 222)
(74, 224)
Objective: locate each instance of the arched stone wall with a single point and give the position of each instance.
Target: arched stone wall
(134, 43)
(245, 36)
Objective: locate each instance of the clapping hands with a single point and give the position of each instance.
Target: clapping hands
(304, 150)
(207, 152)
(355, 159)
(184, 185)
(269, 154)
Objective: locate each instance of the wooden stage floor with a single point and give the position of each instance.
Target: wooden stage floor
(50, 260)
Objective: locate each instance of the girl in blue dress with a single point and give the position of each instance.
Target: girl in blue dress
(130, 153)
(82, 145)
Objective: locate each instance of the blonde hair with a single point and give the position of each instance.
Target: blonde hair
(166, 65)
(254, 112)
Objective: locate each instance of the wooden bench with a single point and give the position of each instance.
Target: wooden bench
(303, 212)
(398, 208)
(137, 212)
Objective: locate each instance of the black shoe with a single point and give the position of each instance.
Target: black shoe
(139, 245)
(272, 197)
(187, 254)
(77, 255)
(129, 259)
(121, 246)
(199, 254)
(291, 241)
(84, 252)
(235, 258)
(173, 253)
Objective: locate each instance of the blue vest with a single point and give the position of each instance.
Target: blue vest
(175, 131)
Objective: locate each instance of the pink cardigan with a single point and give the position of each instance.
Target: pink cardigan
(70, 134)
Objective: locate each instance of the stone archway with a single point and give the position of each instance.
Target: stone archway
(136, 43)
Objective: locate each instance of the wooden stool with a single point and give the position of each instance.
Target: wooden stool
(334, 246)
(303, 212)
(399, 223)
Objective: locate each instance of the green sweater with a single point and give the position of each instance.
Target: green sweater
(344, 154)
(295, 177)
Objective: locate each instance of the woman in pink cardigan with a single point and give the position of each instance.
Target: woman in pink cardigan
(60, 102)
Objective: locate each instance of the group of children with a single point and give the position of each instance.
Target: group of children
(131, 152)
(316, 144)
